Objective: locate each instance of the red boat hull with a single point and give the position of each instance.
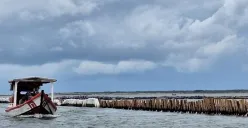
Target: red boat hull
(39, 104)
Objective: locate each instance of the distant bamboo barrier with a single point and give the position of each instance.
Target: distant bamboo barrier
(211, 106)
(206, 106)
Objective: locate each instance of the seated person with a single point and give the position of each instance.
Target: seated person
(28, 96)
(22, 100)
(19, 95)
(34, 92)
(11, 99)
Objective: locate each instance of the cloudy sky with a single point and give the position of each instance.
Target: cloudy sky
(126, 45)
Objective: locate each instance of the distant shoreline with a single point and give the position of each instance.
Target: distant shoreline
(135, 92)
(171, 91)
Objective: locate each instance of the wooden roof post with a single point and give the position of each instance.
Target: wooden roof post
(52, 91)
(15, 93)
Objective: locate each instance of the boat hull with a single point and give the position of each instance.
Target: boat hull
(39, 104)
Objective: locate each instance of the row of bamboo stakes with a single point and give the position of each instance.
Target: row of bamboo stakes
(205, 106)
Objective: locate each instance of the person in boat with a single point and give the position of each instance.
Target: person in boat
(11, 99)
(35, 92)
(28, 95)
(22, 100)
(19, 96)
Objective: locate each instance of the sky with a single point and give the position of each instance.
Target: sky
(125, 45)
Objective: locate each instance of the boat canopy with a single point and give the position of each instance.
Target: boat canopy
(27, 84)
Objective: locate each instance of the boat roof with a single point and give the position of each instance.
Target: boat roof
(34, 79)
(29, 83)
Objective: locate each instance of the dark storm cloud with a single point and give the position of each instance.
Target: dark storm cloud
(187, 35)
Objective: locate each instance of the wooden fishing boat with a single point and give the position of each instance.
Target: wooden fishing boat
(33, 102)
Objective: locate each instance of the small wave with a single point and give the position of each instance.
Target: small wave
(38, 116)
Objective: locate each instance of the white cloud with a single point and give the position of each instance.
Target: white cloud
(83, 67)
(44, 70)
(132, 66)
(28, 16)
(33, 9)
(228, 45)
(77, 29)
(154, 22)
(73, 44)
(205, 55)
(57, 48)
(184, 63)
(192, 45)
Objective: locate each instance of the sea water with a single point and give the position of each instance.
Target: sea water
(79, 117)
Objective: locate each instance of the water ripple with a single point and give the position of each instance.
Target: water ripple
(75, 117)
